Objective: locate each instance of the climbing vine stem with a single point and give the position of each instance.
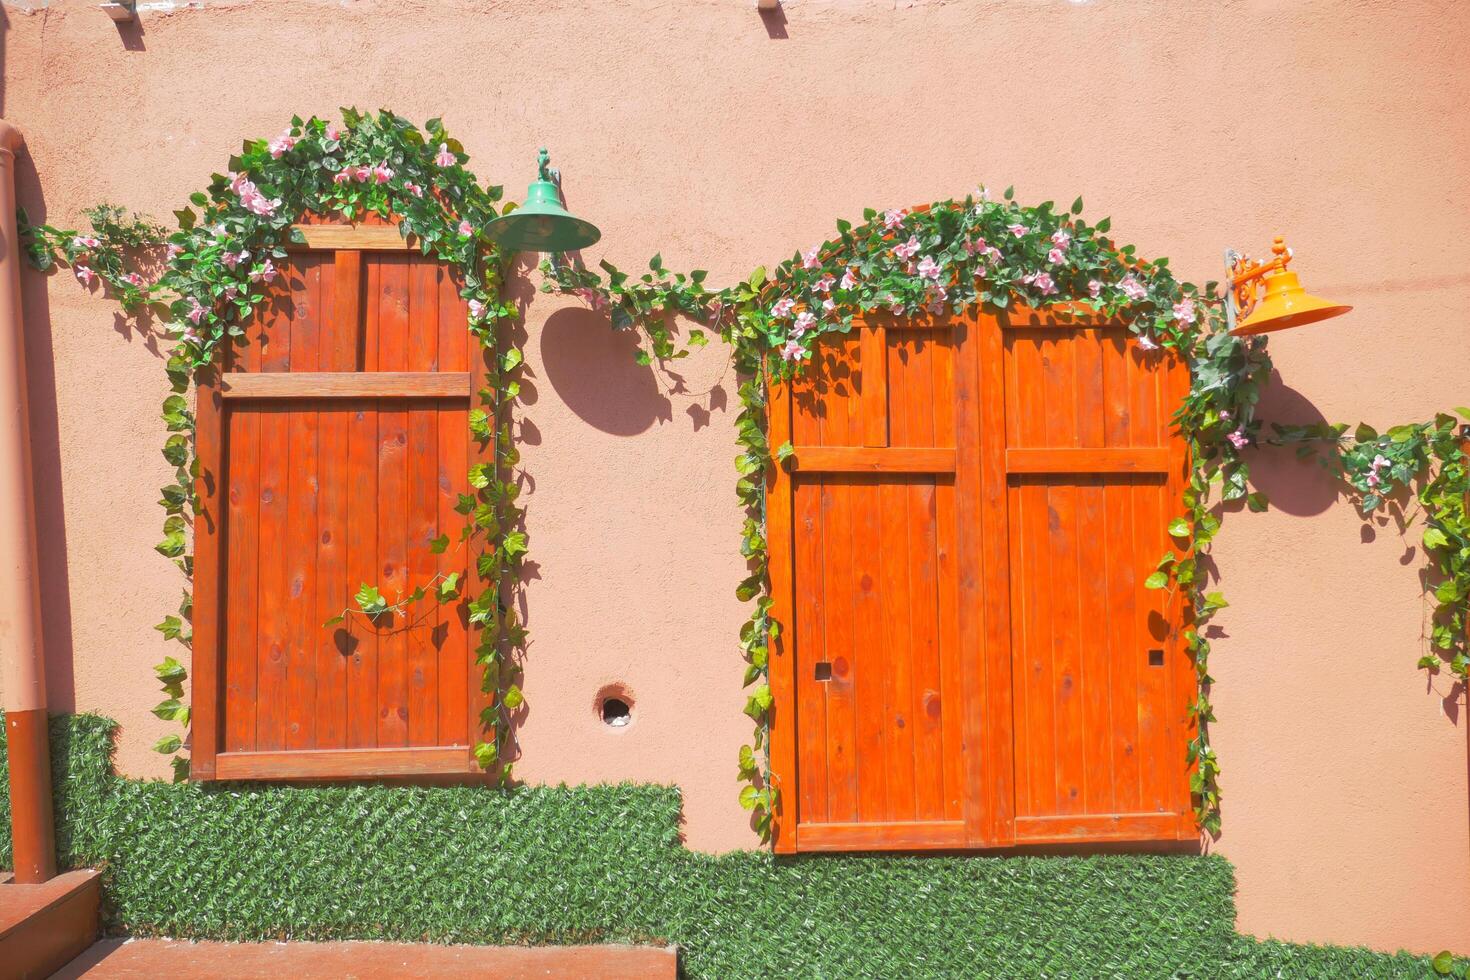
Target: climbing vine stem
(203, 282)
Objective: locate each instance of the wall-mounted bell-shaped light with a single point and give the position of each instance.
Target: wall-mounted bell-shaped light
(543, 223)
(1286, 304)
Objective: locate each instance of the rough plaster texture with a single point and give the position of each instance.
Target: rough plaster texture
(723, 140)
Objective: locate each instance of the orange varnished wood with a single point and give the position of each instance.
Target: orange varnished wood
(985, 561)
(209, 531)
(344, 453)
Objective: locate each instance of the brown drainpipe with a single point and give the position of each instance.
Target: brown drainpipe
(22, 667)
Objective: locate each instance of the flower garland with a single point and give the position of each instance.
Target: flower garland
(941, 258)
(218, 267)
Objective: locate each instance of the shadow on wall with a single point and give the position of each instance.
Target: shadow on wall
(45, 434)
(593, 370)
(1294, 486)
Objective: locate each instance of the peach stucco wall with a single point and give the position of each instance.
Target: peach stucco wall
(698, 129)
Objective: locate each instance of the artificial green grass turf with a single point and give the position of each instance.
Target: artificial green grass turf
(598, 864)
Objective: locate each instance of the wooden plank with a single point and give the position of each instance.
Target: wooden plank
(378, 238)
(993, 769)
(422, 625)
(809, 587)
(1071, 829)
(1147, 546)
(347, 384)
(898, 738)
(453, 465)
(904, 836)
(209, 531)
(841, 425)
(302, 481)
(924, 711)
(951, 696)
(872, 657)
(1077, 460)
(275, 436)
(1057, 316)
(852, 459)
(315, 764)
(873, 397)
(242, 576)
(392, 578)
(780, 659)
(361, 638)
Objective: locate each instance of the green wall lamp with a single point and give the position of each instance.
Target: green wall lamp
(542, 224)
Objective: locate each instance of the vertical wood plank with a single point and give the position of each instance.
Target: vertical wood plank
(974, 618)
(302, 484)
(780, 664)
(242, 569)
(422, 625)
(809, 599)
(840, 427)
(872, 656)
(924, 706)
(392, 327)
(873, 365)
(275, 435)
(453, 464)
(952, 706)
(209, 532)
(362, 526)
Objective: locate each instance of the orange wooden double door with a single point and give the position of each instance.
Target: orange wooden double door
(334, 446)
(969, 657)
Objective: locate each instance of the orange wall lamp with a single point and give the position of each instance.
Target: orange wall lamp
(1286, 304)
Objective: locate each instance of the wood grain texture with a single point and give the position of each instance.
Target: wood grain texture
(342, 384)
(381, 238)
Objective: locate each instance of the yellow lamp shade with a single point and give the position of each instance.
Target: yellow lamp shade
(1286, 304)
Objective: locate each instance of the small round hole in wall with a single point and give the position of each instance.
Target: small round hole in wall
(614, 706)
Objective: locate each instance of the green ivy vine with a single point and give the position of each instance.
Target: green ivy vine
(1425, 462)
(946, 257)
(218, 266)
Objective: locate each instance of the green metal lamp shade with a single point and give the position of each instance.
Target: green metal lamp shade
(542, 224)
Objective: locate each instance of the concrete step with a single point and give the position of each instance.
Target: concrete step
(42, 927)
(294, 960)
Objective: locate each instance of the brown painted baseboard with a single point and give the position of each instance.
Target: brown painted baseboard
(44, 927)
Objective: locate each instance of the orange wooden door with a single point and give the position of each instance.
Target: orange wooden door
(958, 547)
(340, 437)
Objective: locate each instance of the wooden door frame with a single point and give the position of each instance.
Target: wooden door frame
(207, 762)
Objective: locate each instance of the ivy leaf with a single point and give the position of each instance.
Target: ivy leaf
(1443, 962)
(1179, 528)
(334, 621)
(1077, 206)
(438, 545)
(1435, 538)
(370, 600)
(785, 451)
(168, 745)
(448, 588)
(750, 797)
(513, 698)
(486, 754)
(1156, 581)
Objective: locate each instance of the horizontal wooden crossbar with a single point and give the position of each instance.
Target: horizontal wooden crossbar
(377, 238)
(1146, 460)
(1096, 827)
(347, 384)
(914, 835)
(343, 763)
(861, 459)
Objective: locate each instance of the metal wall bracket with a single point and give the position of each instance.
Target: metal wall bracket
(121, 11)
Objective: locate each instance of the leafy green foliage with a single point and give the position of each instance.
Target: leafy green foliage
(216, 269)
(411, 863)
(1428, 461)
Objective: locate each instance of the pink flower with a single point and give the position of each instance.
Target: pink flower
(266, 272)
(849, 278)
(809, 257)
(1184, 311)
(239, 181)
(1132, 288)
(935, 294)
(824, 284)
(196, 311)
(231, 259)
(231, 292)
(929, 269)
(1094, 288)
(1045, 284)
(982, 192)
(783, 307)
(829, 304)
(333, 133)
(133, 279)
(477, 309)
(908, 249)
(804, 322)
(85, 241)
(382, 173)
(792, 350)
(85, 274)
(1017, 230)
(189, 336)
(896, 309)
(1146, 343)
(892, 218)
(1060, 238)
(282, 144)
(466, 229)
(255, 202)
(591, 297)
(1056, 256)
(1373, 479)
(413, 189)
(1224, 415)
(444, 157)
(1238, 438)
(342, 176)
(362, 174)
(173, 251)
